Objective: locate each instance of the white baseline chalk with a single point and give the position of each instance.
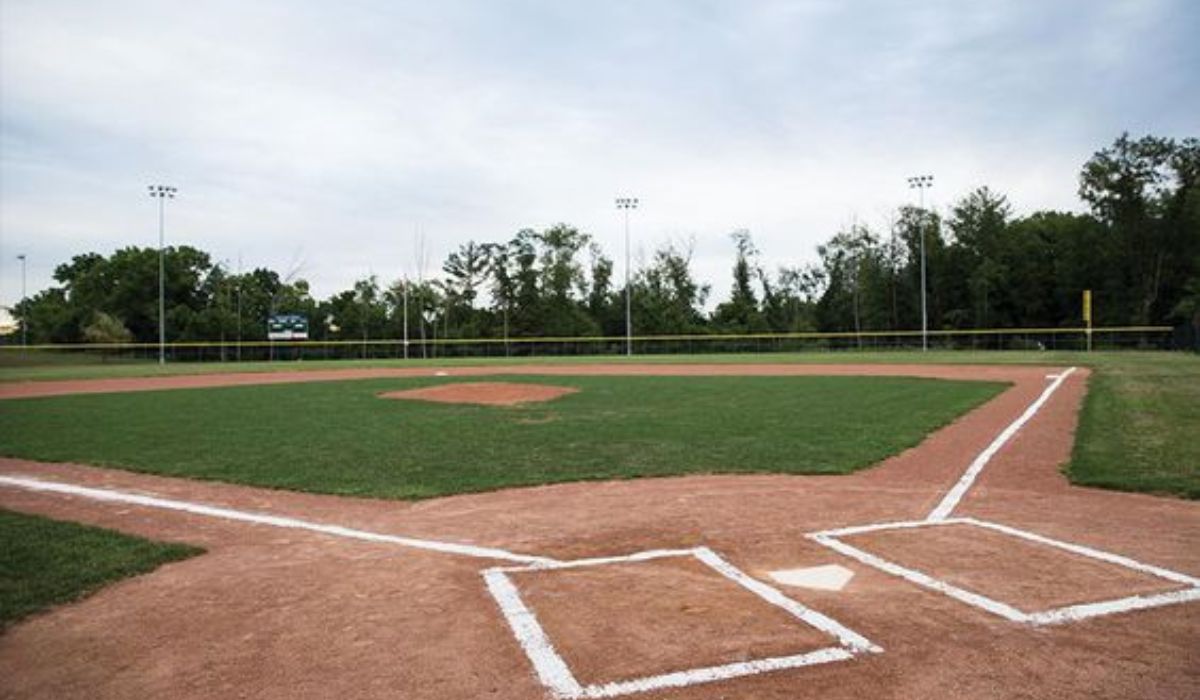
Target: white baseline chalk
(112, 496)
(951, 499)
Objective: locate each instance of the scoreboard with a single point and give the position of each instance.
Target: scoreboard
(287, 327)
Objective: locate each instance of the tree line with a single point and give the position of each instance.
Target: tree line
(1137, 248)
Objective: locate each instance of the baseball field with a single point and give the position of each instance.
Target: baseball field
(845, 526)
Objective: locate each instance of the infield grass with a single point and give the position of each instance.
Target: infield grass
(340, 438)
(47, 562)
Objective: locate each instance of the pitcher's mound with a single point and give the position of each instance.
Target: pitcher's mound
(484, 393)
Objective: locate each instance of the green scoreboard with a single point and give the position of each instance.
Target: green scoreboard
(287, 327)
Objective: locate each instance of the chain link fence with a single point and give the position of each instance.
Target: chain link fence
(1073, 339)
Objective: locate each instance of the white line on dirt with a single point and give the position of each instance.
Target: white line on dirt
(600, 561)
(1088, 552)
(922, 579)
(554, 673)
(941, 516)
(551, 670)
(697, 676)
(1108, 607)
(1055, 616)
(853, 641)
(264, 519)
(951, 499)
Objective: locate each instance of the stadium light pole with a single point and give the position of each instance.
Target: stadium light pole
(162, 193)
(921, 183)
(24, 322)
(625, 204)
(239, 307)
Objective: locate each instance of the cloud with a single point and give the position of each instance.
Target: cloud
(330, 133)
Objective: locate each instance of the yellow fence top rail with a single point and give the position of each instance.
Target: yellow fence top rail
(839, 335)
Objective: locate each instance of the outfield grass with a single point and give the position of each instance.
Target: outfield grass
(1137, 431)
(47, 562)
(339, 437)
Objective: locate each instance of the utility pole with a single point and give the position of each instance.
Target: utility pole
(162, 193)
(921, 183)
(625, 204)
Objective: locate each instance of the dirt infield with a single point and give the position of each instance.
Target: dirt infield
(275, 612)
(483, 393)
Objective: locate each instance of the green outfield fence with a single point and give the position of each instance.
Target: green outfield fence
(1126, 337)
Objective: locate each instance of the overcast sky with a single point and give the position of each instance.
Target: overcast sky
(323, 134)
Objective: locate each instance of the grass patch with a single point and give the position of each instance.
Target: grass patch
(1140, 429)
(338, 437)
(47, 562)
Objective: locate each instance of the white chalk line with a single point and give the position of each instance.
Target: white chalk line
(1082, 550)
(950, 501)
(1070, 613)
(853, 641)
(921, 579)
(548, 664)
(556, 675)
(600, 561)
(113, 496)
(941, 516)
(1083, 611)
(711, 674)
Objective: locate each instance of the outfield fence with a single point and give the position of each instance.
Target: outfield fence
(1126, 337)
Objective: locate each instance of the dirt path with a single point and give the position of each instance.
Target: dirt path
(280, 613)
(33, 389)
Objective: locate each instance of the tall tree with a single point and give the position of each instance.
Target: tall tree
(666, 297)
(741, 313)
(466, 270)
(1144, 190)
(979, 222)
(856, 294)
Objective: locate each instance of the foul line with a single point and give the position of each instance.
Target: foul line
(941, 516)
(271, 520)
(951, 499)
(550, 667)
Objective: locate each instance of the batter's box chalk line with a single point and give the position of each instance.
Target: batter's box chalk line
(1070, 613)
(554, 673)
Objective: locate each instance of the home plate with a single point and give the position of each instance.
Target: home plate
(830, 577)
